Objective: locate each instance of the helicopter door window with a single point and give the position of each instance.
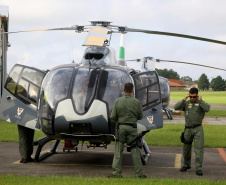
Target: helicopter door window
(111, 85)
(142, 96)
(22, 89)
(12, 79)
(147, 89)
(33, 76)
(33, 93)
(29, 87)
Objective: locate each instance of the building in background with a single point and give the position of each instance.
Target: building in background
(176, 84)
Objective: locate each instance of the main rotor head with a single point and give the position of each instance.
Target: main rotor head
(100, 23)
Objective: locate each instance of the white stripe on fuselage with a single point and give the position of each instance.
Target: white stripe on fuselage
(65, 108)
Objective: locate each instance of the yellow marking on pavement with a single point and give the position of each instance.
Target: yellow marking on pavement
(178, 161)
(18, 162)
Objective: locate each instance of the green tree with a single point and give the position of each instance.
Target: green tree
(218, 84)
(203, 82)
(186, 79)
(168, 73)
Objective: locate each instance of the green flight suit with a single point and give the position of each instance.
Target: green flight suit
(194, 113)
(26, 136)
(126, 110)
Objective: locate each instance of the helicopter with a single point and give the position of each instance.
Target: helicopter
(74, 101)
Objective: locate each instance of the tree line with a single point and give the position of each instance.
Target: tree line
(217, 84)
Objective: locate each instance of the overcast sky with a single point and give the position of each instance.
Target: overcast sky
(44, 50)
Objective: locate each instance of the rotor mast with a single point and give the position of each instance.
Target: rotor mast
(100, 23)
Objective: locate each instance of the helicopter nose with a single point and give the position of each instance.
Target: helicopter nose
(94, 121)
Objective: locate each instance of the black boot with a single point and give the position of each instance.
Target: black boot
(23, 161)
(30, 160)
(199, 172)
(184, 169)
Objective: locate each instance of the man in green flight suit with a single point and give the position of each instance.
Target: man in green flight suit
(26, 136)
(194, 113)
(126, 111)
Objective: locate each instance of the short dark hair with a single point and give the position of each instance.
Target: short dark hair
(193, 90)
(128, 87)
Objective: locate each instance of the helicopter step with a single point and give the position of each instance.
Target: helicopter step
(41, 142)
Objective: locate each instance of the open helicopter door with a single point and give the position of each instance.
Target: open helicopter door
(20, 96)
(147, 91)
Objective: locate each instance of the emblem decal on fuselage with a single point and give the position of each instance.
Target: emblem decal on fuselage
(150, 119)
(19, 112)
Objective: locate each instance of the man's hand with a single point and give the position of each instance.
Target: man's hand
(186, 97)
(199, 96)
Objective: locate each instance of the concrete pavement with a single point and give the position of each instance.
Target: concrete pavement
(165, 162)
(211, 120)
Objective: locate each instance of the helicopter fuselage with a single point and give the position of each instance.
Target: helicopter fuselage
(74, 101)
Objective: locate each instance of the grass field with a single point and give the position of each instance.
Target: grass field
(213, 112)
(169, 135)
(10, 179)
(211, 97)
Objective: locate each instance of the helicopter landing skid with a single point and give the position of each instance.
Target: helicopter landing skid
(141, 144)
(145, 158)
(41, 142)
(168, 113)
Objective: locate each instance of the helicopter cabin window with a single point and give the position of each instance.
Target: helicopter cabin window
(12, 79)
(147, 89)
(165, 91)
(111, 85)
(29, 87)
(84, 89)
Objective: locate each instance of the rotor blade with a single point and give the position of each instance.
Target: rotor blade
(76, 28)
(174, 35)
(158, 60)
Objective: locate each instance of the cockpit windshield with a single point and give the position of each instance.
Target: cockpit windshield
(106, 85)
(111, 85)
(56, 85)
(84, 88)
